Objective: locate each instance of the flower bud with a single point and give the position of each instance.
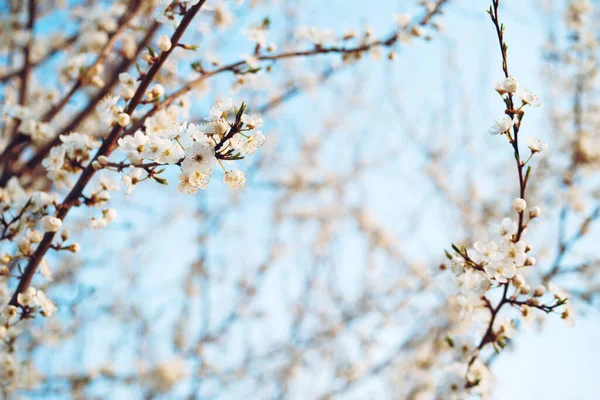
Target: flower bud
(518, 280)
(10, 312)
(51, 224)
(127, 92)
(35, 236)
(96, 165)
(5, 259)
(146, 56)
(525, 289)
(65, 234)
(103, 196)
(74, 248)
(417, 31)
(123, 119)
(535, 212)
(103, 160)
(530, 261)
(97, 81)
(110, 214)
(539, 291)
(519, 205)
(158, 90)
(510, 84)
(533, 302)
(164, 43)
(220, 126)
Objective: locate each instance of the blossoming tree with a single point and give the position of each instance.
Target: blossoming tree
(295, 283)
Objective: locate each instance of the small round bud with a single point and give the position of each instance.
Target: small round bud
(103, 160)
(123, 119)
(10, 312)
(24, 245)
(146, 56)
(533, 302)
(510, 84)
(417, 31)
(35, 236)
(65, 234)
(74, 248)
(96, 165)
(135, 158)
(103, 196)
(519, 205)
(525, 289)
(110, 214)
(530, 261)
(5, 259)
(220, 126)
(97, 81)
(539, 291)
(51, 224)
(535, 212)
(518, 280)
(158, 90)
(98, 223)
(129, 46)
(164, 43)
(128, 92)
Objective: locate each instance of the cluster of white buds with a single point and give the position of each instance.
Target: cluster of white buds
(508, 87)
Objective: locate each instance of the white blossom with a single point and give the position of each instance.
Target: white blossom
(501, 126)
(51, 223)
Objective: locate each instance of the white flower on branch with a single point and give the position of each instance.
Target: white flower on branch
(234, 179)
(51, 223)
(514, 252)
(501, 126)
(507, 228)
(192, 181)
(200, 157)
(45, 269)
(128, 85)
(170, 154)
(46, 305)
(485, 251)
(536, 145)
(220, 107)
(253, 121)
(528, 97)
(55, 158)
(134, 145)
(510, 84)
(164, 43)
(39, 131)
(132, 178)
(519, 205)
